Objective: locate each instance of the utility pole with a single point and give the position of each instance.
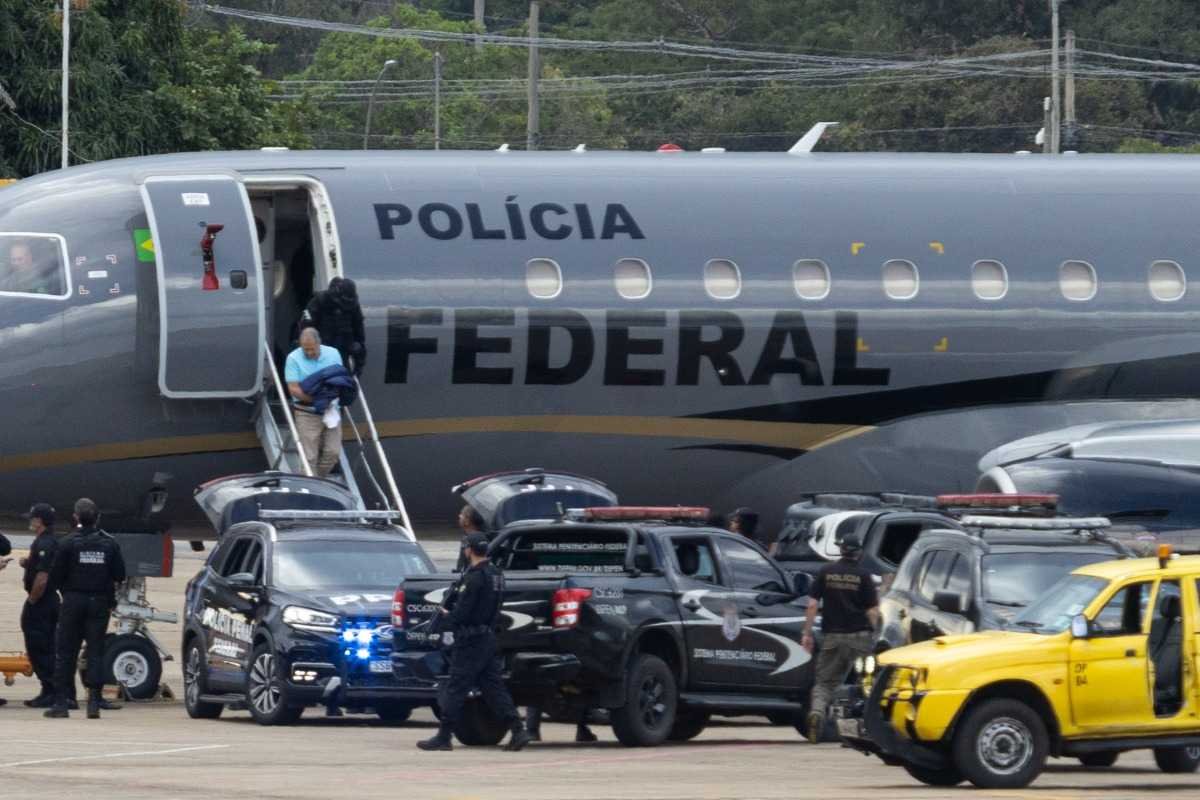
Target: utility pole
(1069, 93)
(1055, 98)
(479, 20)
(66, 80)
(533, 124)
(437, 100)
(391, 62)
(1046, 117)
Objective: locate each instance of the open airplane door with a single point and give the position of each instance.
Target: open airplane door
(210, 290)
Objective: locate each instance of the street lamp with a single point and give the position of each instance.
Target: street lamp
(391, 62)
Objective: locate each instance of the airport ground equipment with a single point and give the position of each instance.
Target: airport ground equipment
(1100, 665)
(648, 613)
(14, 664)
(133, 655)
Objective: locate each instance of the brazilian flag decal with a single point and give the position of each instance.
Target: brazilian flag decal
(143, 244)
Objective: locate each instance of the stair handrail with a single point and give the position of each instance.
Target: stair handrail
(286, 402)
(387, 468)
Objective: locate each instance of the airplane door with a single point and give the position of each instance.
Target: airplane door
(210, 290)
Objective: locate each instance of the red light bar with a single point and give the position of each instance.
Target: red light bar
(646, 512)
(997, 500)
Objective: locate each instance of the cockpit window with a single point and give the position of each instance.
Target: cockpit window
(33, 265)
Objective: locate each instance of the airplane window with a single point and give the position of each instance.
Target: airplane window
(722, 279)
(1167, 281)
(543, 278)
(900, 279)
(810, 279)
(989, 280)
(34, 264)
(1077, 280)
(632, 276)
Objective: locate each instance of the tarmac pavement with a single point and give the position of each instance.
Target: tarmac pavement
(153, 751)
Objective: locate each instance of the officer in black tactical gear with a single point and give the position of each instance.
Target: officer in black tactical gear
(338, 317)
(473, 658)
(39, 615)
(86, 569)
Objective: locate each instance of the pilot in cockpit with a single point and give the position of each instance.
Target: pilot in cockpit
(23, 273)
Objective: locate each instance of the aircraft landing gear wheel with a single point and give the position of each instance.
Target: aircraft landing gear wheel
(134, 663)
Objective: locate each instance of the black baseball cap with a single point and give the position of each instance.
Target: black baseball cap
(477, 542)
(851, 545)
(43, 511)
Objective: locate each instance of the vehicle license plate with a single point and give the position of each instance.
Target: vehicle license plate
(381, 666)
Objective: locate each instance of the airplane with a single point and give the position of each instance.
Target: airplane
(718, 328)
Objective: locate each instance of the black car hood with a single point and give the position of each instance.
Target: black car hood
(351, 602)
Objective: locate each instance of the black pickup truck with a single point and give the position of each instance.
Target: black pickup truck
(644, 612)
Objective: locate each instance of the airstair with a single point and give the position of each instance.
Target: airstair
(358, 463)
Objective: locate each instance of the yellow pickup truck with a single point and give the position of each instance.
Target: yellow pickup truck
(1105, 662)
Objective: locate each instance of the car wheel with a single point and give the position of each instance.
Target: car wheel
(687, 726)
(394, 713)
(948, 776)
(266, 694)
(1002, 744)
(478, 726)
(1099, 760)
(134, 663)
(648, 715)
(195, 668)
(1177, 759)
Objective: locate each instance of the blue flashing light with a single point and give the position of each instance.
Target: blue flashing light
(348, 636)
(363, 653)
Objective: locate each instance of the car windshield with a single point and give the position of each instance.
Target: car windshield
(1053, 612)
(330, 564)
(1014, 580)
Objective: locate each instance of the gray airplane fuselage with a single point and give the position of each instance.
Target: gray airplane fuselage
(738, 392)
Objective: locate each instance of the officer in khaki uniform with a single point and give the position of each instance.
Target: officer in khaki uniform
(845, 594)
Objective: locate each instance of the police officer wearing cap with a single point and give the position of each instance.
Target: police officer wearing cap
(86, 569)
(845, 594)
(39, 615)
(473, 658)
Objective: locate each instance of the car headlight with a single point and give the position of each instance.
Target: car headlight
(308, 619)
(865, 666)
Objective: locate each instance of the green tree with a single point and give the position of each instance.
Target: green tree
(140, 83)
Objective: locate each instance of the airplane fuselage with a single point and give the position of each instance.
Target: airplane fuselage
(658, 320)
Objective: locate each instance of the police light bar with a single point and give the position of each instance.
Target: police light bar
(1046, 501)
(615, 513)
(1037, 524)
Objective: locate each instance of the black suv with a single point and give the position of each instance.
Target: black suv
(887, 524)
(293, 607)
(960, 581)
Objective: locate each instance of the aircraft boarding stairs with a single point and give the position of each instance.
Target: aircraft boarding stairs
(275, 425)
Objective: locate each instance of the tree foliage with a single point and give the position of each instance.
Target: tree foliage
(141, 82)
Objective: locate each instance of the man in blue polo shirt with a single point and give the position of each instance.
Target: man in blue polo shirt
(322, 443)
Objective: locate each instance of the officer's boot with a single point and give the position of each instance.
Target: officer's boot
(58, 710)
(93, 705)
(533, 724)
(45, 698)
(520, 736)
(584, 735)
(440, 741)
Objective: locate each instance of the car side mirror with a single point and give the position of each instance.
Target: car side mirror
(242, 581)
(949, 602)
(1080, 627)
(801, 583)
